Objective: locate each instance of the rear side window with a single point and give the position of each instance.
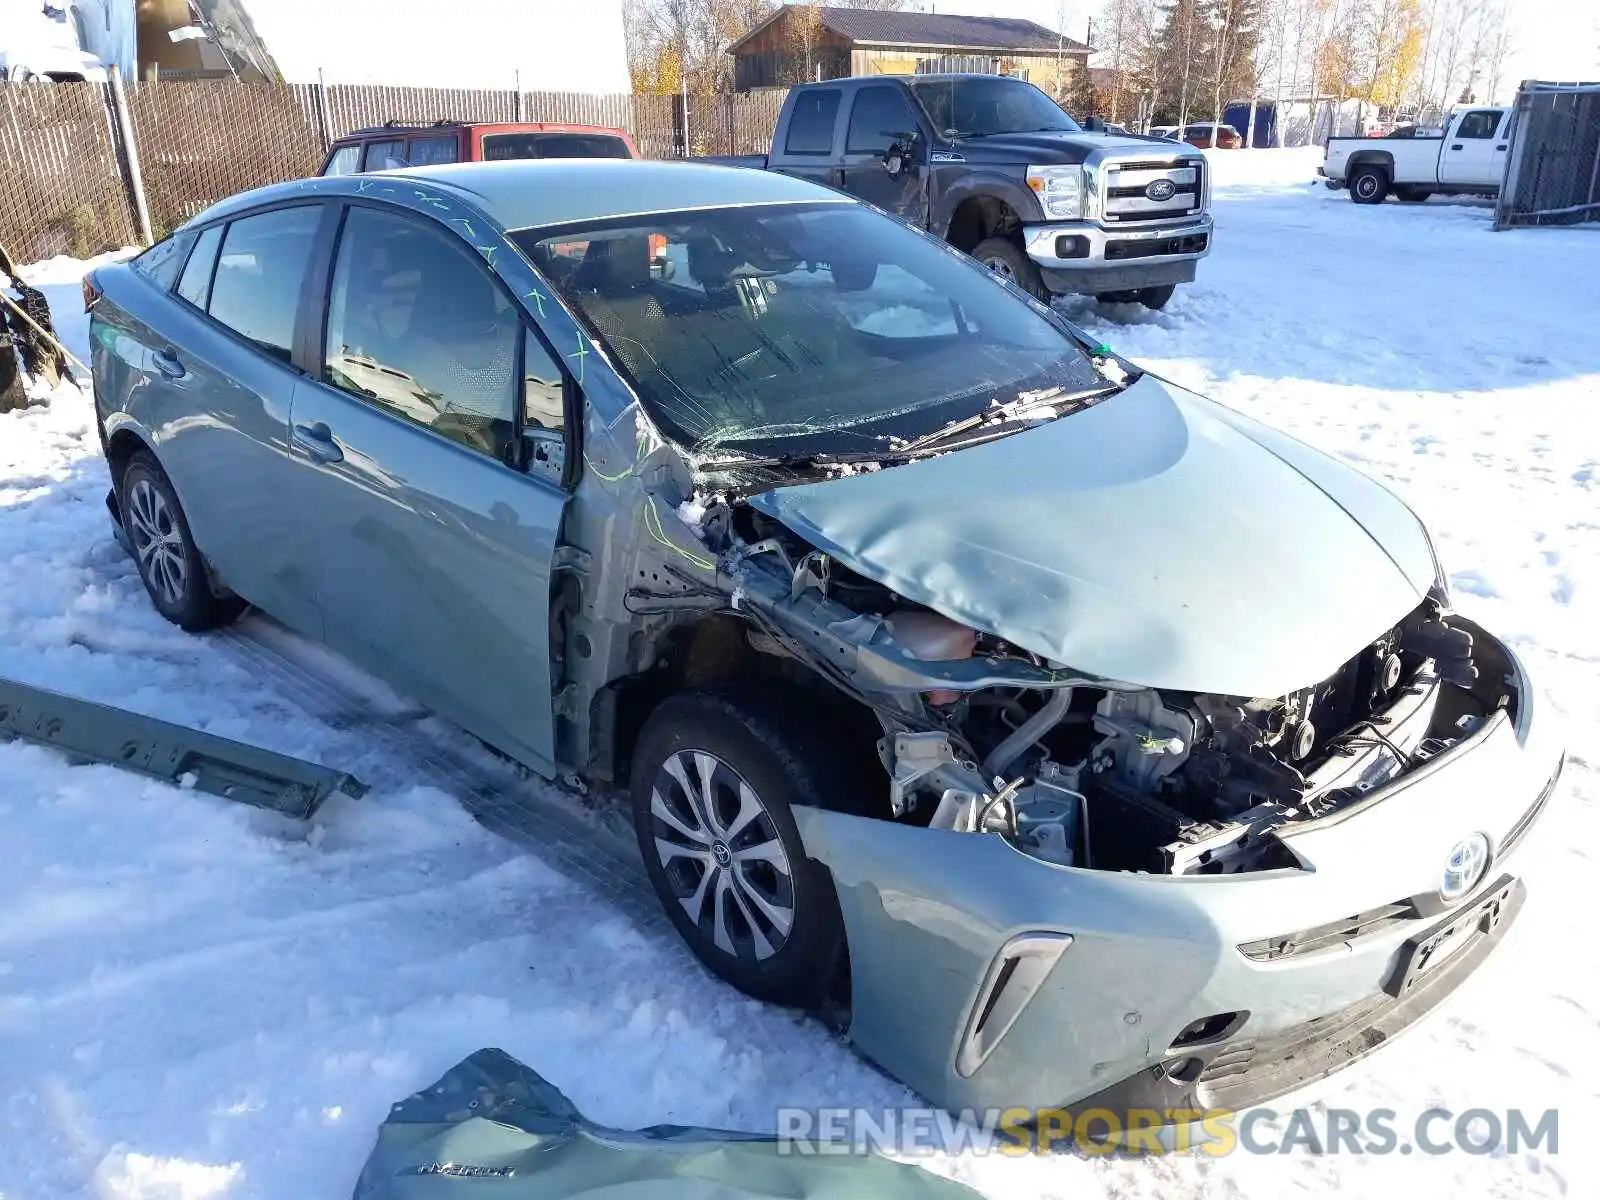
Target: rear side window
(346, 160)
(383, 156)
(418, 328)
(162, 262)
(195, 284)
(434, 151)
(259, 273)
(877, 115)
(499, 146)
(811, 122)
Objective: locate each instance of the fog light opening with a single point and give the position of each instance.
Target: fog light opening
(1209, 1029)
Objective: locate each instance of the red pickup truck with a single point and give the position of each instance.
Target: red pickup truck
(401, 144)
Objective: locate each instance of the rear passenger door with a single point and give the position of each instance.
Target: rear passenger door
(224, 363)
(432, 440)
(808, 141)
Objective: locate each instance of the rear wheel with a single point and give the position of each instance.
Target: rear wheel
(712, 784)
(1009, 261)
(173, 571)
(1369, 185)
(1412, 195)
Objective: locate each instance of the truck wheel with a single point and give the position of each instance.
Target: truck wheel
(712, 783)
(1369, 185)
(1408, 194)
(1156, 298)
(1009, 261)
(173, 571)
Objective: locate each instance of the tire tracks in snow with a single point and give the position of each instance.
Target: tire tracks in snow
(521, 810)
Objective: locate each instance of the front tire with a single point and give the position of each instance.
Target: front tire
(1412, 195)
(1369, 185)
(712, 784)
(1157, 298)
(1009, 261)
(1153, 298)
(171, 566)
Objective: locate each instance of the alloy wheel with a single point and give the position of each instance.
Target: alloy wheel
(1000, 267)
(157, 542)
(722, 855)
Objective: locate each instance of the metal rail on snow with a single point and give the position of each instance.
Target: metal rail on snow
(99, 733)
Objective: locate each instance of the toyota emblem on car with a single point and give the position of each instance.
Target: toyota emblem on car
(1161, 189)
(1469, 859)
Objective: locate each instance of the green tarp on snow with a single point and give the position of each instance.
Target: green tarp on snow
(495, 1129)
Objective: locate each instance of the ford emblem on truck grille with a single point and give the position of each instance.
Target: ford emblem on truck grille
(1161, 189)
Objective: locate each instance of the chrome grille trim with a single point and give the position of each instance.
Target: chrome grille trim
(1121, 190)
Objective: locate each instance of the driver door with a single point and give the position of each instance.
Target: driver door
(434, 525)
(879, 115)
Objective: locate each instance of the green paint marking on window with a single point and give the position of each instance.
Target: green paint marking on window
(538, 299)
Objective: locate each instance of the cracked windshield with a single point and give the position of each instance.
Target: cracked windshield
(803, 329)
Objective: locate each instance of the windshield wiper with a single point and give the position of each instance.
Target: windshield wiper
(1056, 399)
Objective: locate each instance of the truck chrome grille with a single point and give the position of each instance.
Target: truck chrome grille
(1126, 186)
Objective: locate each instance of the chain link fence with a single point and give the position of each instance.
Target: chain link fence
(64, 186)
(1553, 167)
(61, 189)
(202, 140)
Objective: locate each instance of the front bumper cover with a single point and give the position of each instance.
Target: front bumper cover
(1143, 969)
(1083, 256)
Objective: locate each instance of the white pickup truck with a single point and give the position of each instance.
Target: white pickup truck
(1468, 157)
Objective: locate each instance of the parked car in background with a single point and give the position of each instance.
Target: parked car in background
(1089, 742)
(404, 144)
(998, 170)
(45, 43)
(1212, 134)
(1165, 132)
(1468, 157)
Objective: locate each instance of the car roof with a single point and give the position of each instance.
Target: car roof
(410, 128)
(525, 193)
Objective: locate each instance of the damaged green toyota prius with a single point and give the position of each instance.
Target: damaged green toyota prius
(1087, 741)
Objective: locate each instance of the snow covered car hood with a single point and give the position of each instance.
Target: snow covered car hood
(1156, 538)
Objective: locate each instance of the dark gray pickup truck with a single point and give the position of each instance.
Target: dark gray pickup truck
(997, 169)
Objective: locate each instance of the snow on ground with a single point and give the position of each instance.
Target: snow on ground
(198, 1000)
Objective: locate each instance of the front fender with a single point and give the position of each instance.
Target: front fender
(984, 183)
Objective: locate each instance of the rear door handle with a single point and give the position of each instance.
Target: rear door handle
(1503, 146)
(318, 442)
(168, 363)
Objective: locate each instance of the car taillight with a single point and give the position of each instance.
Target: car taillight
(91, 291)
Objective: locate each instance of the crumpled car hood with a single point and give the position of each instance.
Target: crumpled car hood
(1156, 538)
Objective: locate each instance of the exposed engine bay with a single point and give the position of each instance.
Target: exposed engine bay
(984, 737)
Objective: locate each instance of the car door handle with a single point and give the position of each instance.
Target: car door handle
(168, 363)
(318, 442)
(1457, 146)
(1503, 146)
